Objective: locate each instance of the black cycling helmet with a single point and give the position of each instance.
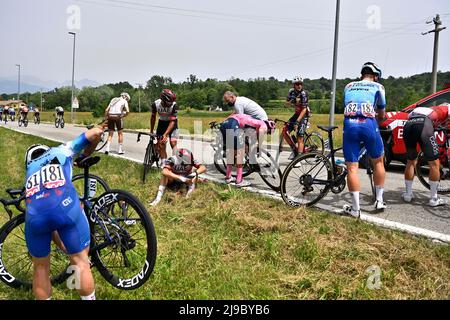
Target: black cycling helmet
(371, 68)
(168, 96)
(34, 152)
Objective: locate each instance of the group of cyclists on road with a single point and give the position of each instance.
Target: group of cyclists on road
(52, 202)
(9, 113)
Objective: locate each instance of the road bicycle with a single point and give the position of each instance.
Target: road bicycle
(37, 118)
(12, 117)
(23, 119)
(151, 154)
(310, 177)
(59, 121)
(267, 167)
(123, 240)
(313, 141)
(422, 167)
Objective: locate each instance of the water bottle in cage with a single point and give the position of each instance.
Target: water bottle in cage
(340, 166)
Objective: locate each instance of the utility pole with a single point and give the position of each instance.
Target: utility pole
(139, 96)
(73, 75)
(18, 83)
(437, 28)
(335, 54)
(42, 109)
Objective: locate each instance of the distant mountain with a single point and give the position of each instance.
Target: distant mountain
(32, 84)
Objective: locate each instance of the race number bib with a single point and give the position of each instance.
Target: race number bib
(51, 176)
(367, 110)
(351, 110)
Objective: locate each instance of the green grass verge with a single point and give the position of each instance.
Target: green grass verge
(225, 243)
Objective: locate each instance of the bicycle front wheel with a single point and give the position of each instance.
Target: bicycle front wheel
(62, 123)
(269, 170)
(148, 160)
(423, 171)
(56, 122)
(314, 143)
(16, 261)
(306, 180)
(123, 240)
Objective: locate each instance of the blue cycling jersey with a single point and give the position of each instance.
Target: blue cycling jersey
(53, 203)
(363, 98)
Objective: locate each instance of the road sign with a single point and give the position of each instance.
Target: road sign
(75, 103)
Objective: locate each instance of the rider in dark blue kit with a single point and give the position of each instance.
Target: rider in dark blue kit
(364, 101)
(55, 211)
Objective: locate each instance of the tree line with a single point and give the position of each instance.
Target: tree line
(207, 94)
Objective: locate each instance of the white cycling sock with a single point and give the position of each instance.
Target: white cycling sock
(107, 146)
(408, 185)
(433, 189)
(89, 297)
(190, 190)
(161, 190)
(379, 193)
(355, 200)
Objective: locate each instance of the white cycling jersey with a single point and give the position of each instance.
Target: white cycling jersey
(169, 113)
(117, 106)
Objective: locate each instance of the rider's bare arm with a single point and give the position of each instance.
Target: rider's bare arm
(302, 115)
(169, 174)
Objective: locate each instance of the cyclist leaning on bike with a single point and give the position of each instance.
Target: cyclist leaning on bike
(167, 109)
(364, 101)
(298, 98)
(53, 206)
(419, 129)
(233, 136)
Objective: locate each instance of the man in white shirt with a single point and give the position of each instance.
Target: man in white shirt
(114, 113)
(243, 105)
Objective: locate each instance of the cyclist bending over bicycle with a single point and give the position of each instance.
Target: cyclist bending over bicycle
(298, 98)
(53, 206)
(167, 109)
(419, 129)
(233, 136)
(364, 100)
(179, 169)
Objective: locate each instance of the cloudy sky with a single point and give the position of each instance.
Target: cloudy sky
(132, 40)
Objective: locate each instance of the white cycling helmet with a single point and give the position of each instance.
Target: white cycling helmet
(125, 96)
(35, 151)
(376, 70)
(297, 79)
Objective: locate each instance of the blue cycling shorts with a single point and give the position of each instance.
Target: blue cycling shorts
(233, 136)
(362, 130)
(71, 224)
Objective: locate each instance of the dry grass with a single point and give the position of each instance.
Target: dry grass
(225, 243)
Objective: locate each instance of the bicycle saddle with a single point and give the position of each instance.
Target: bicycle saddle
(327, 129)
(89, 127)
(88, 162)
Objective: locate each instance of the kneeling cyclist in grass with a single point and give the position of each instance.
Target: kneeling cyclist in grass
(180, 169)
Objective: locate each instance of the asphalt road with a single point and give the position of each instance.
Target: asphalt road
(415, 215)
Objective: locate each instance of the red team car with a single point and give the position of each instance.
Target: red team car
(392, 128)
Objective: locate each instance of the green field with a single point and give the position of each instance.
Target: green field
(225, 243)
(187, 120)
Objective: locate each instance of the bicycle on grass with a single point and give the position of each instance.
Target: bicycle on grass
(266, 166)
(313, 141)
(422, 167)
(311, 176)
(123, 239)
(151, 154)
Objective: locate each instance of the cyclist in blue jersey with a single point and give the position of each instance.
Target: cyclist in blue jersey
(54, 210)
(364, 101)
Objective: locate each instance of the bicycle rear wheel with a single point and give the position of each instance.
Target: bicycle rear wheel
(62, 123)
(314, 143)
(423, 171)
(269, 170)
(306, 180)
(56, 122)
(16, 261)
(123, 240)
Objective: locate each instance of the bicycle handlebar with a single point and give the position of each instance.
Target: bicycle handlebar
(151, 135)
(13, 202)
